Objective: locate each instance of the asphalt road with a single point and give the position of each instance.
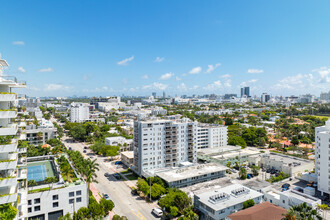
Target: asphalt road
(125, 204)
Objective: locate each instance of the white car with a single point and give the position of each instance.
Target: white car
(158, 212)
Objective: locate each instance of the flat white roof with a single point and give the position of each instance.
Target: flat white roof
(229, 199)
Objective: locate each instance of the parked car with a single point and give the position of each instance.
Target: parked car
(85, 147)
(106, 174)
(286, 185)
(118, 162)
(117, 176)
(134, 192)
(249, 175)
(157, 212)
(297, 188)
(106, 196)
(85, 151)
(70, 148)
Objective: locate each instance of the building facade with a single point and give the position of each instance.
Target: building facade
(79, 112)
(210, 136)
(322, 157)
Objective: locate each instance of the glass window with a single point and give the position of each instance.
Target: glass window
(71, 194)
(37, 201)
(78, 199)
(37, 208)
(55, 197)
(71, 201)
(29, 210)
(30, 202)
(55, 204)
(78, 193)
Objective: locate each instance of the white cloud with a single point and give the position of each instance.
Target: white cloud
(125, 61)
(196, 70)
(21, 69)
(55, 87)
(227, 83)
(211, 67)
(300, 81)
(177, 78)
(255, 71)
(166, 76)
(101, 89)
(159, 59)
(226, 76)
(182, 86)
(145, 77)
(46, 70)
(249, 82)
(156, 85)
(18, 43)
(324, 73)
(213, 86)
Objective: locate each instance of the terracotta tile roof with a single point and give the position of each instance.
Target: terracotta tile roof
(261, 211)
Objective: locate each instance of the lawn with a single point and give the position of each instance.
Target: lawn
(131, 176)
(322, 117)
(126, 171)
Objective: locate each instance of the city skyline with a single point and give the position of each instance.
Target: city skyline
(136, 49)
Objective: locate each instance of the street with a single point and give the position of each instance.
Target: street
(133, 207)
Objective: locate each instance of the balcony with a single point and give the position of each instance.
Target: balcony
(8, 114)
(11, 129)
(9, 97)
(22, 161)
(8, 165)
(22, 150)
(9, 147)
(8, 198)
(22, 174)
(8, 182)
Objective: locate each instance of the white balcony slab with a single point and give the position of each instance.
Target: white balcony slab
(8, 97)
(8, 199)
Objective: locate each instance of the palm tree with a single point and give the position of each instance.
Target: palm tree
(32, 183)
(290, 215)
(50, 181)
(303, 212)
(242, 173)
(67, 173)
(90, 171)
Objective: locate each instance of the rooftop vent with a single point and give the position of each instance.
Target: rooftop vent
(240, 191)
(219, 197)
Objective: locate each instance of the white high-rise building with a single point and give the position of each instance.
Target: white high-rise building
(13, 189)
(322, 157)
(79, 112)
(167, 143)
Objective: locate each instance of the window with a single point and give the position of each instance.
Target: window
(78, 199)
(71, 194)
(71, 201)
(37, 201)
(78, 193)
(29, 210)
(55, 204)
(37, 208)
(283, 201)
(55, 197)
(30, 202)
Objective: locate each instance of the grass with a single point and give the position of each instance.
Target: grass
(321, 117)
(131, 177)
(39, 190)
(126, 171)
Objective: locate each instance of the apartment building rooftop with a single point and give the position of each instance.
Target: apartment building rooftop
(181, 173)
(227, 196)
(287, 160)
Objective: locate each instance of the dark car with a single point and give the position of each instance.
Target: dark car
(70, 148)
(85, 147)
(117, 176)
(118, 162)
(134, 192)
(106, 174)
(249, 175)
(106, 196)
(286, 185)
(85, 151)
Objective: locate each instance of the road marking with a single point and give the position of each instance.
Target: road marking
(139, 215)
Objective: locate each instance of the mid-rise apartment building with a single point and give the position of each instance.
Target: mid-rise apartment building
(167, 143)
(163, 143)
(79, 112)
(38, 135)
(12, 161)
(322, 157)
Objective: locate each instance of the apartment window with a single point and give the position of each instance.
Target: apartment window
(71, 194)
(283, 201)
(55, 197)
(29, 210)
(78, 193)
(37, 201)
(55, 204)
(37, 208)
(78, 199)
(71, 201)
(30, 202)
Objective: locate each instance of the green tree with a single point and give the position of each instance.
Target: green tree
(32, 183)
(90, 171)
(107, 205)
(143, 186)
(157, 190)
(295, 140)
(303, 212)
(174, 211)
(242, 173)
(50, 181)
(8, 211)
(322, 207)
(248, 203)
(67, 216)
(83, 213)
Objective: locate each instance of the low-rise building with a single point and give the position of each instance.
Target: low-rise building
(289, 198)
(287, 164)
(127, 157)
(217, 204)
(60, 198)
(125, 144)
(190, 175)
(41, 134)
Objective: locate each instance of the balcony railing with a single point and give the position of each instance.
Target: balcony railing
(10, 97)
(8, 165)
(8, 182)
(8, 198)
(8, 114)
(11, 129)
(9, 147)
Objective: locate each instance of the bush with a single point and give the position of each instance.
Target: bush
(248, 203)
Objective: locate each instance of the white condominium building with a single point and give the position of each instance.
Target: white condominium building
(163, 143)
(79, 112)
(167, 143)
(211, 136)
(12, 163)
(322, 157)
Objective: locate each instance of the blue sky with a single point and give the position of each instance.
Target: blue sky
(64, 48)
